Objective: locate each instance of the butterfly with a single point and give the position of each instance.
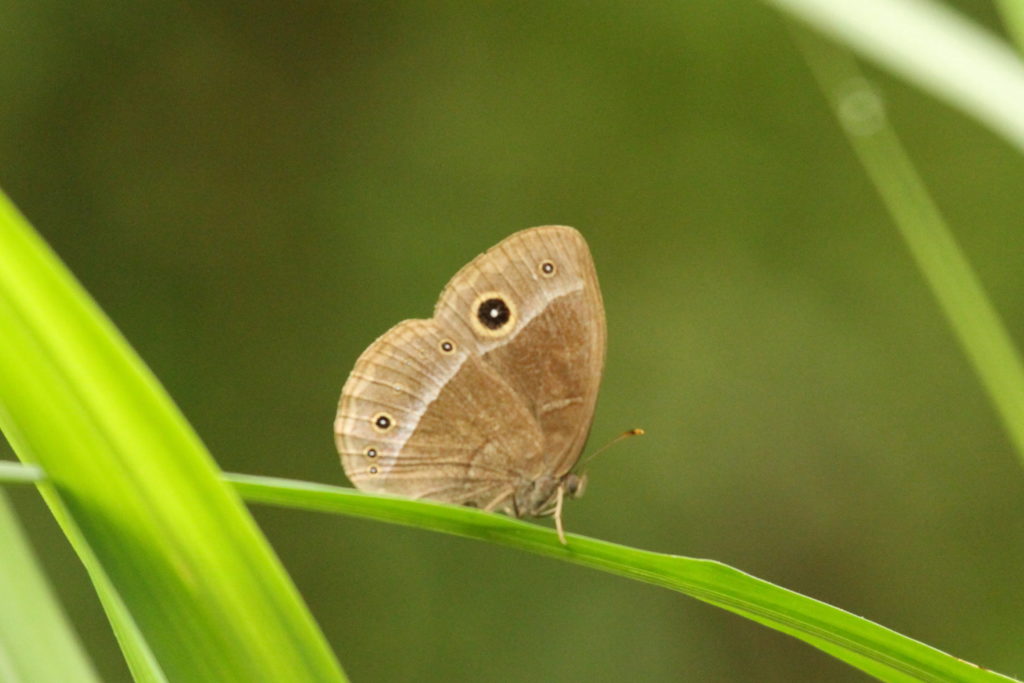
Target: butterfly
(489, 402)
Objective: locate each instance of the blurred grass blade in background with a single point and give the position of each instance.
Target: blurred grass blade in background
(933, 47)
(866, 645)
(1013, 17)
(37, 642)
(18, 473)
(980, 331)
(197, 577)
(137, 654)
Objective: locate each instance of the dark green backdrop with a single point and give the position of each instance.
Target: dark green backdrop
(255, 191)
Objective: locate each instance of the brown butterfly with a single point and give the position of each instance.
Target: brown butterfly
(490, 402)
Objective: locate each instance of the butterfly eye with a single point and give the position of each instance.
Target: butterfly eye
(575, 484)
(547, 268)
(382, 422)
(447, 346)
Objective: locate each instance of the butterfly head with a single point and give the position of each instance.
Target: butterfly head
(574, 484)
(538, 498)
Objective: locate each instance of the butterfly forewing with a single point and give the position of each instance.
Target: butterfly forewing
(552, 350)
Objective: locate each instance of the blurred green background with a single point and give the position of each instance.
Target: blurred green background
(255, 191)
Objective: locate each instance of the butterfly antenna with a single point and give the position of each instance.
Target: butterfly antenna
(624, 435)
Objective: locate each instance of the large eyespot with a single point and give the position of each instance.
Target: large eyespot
(493, 314)
(382, 422)
(547, 268)
(447, 346)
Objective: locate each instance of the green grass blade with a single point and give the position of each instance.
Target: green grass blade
(974, 320)
(18, 473)
(186, 560)
(36, 640)
(933, 47)
(874, 649)
(1013, 16)
(140, 659)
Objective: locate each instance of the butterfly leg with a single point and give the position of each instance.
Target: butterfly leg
(490, 507)
(559, 496)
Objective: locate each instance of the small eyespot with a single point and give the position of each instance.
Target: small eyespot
(382, 422)
(373, 470)
(547, 268)
(371, 452)
(447, 346)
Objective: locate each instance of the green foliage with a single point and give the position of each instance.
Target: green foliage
(857, 641)
(36, 640)
(189, 584)
(136, 491)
